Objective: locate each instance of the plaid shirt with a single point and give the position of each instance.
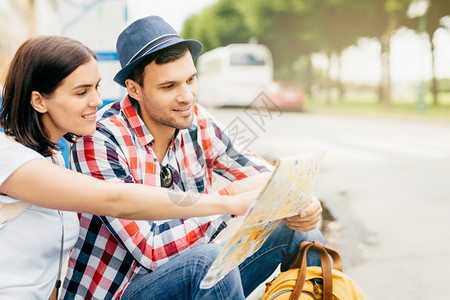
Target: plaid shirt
(110, 251)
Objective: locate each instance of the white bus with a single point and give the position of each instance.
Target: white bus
(233, 75)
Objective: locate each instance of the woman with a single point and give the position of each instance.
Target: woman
(51, 91)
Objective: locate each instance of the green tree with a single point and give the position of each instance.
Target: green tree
(297, 28)
(436, 12)
(282, 25)
(218, 25)
(380, 19)
(336, 23)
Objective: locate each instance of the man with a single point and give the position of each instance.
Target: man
(157, 135)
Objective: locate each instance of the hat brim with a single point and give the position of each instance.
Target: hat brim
(194, 46)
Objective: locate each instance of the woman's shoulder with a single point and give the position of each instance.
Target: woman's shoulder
(13, 155)
(8, 143)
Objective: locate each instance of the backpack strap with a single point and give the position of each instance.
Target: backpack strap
(10, 211)
(300, 262)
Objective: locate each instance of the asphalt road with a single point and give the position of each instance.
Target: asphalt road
(385, 180)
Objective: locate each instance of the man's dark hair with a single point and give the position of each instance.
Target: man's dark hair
(160, 57)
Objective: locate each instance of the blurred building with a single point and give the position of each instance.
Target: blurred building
(96, 23)
(17, 23)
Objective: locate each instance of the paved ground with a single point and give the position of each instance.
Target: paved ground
(386, 182)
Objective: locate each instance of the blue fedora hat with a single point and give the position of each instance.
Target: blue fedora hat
(145, 36)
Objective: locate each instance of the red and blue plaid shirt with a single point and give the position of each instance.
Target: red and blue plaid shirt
(109, 251)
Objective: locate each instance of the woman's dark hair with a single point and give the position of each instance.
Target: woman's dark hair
(40, 64)
(160, 57)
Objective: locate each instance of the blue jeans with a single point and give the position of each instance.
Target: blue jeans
(180, 278)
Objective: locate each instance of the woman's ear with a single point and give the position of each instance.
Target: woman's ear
(133, 89)
(38, 102)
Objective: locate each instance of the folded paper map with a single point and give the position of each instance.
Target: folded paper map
(287, 192)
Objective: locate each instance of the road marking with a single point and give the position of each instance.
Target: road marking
(284, 146)
(393, 146)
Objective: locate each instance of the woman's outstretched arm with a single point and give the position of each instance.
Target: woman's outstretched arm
(42, 183)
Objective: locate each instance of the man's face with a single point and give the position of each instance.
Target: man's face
(168, 95)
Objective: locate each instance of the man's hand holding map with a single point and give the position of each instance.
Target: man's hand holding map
(288, 191)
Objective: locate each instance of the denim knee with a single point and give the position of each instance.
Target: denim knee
(201, 258)
(229, 287)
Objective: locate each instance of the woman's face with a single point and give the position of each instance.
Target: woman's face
(73, 105)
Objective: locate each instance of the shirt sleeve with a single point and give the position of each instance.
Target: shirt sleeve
(12, 156)
(151, 243)
(231, 159)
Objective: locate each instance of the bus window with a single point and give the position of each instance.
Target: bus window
(233, 75)
(246, 59)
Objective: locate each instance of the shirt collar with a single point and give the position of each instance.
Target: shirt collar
(130, 109)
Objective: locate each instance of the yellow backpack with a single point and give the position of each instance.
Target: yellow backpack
(306, 283)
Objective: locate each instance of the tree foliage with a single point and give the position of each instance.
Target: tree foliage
(218, 25)
(298, 28)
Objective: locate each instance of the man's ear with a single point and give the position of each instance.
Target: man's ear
(38, 102)
(133, 89)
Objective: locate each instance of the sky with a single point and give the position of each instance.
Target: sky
(410, 57)
(175, 12)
